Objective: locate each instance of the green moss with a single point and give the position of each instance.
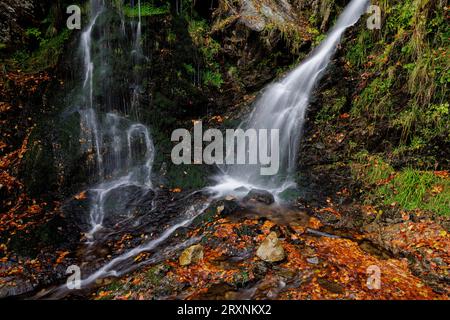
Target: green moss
(156, 273)
(209, 48)
(34, 33)
(147, 10)
(171, 37)
(290, 195)
(376, 99)
(358, 51)
(333, 105)
(241, 278)
(406, 65)
(46, 56)
(187, 177)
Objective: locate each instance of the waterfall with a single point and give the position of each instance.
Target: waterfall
(282, 105)
(138, 58)
(90, 132)
(110, 127)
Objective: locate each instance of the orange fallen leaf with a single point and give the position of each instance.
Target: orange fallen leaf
(125, 297)
(315, 223)
(437, 189)
(103, 294)
(61, 256)
(441, 174)
(81, 196)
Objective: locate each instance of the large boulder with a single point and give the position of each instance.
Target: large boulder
(271, 249)
(263, 196)
(256, 14)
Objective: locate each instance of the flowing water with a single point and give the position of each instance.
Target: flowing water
(123, 151)
(123, 147)
(282, 106)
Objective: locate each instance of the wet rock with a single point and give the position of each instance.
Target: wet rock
(241, 189)
(257, 16)
(262, 196)
(230, 207)
(285, 274)
(191, 255)
(251, 17)
(219, 291)
(271, 249)
(278, 230)
(119, 203)
(260, 269)
(18, 288)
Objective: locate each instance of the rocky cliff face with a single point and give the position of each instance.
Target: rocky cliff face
(17, 16)
(264, 38)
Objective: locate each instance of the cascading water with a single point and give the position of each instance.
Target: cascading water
(124, 155)
(282, 106)
(123, 148)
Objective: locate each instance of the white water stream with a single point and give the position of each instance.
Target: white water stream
(124, 149)
(282, 106)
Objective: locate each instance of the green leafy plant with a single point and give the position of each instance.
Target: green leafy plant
(212, 78)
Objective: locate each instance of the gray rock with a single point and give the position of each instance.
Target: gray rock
(260, 196)
(251, 17)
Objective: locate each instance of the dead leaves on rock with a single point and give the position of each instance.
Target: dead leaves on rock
(426, 243)
(315, 267)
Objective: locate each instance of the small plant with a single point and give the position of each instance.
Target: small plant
(211, 78)
(189, 68)
(171, 37)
